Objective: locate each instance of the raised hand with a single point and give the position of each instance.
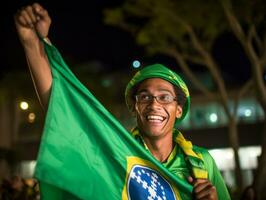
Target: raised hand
(31, 21)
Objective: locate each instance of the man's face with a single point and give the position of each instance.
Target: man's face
(155, 120)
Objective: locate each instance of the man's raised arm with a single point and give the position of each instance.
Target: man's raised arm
(32, 22)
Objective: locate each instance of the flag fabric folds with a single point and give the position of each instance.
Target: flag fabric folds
(85, 153)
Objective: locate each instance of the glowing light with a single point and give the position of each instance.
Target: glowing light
(248, 112)
(136, 64)
(213, 117)
(31, 117)
(24, 105)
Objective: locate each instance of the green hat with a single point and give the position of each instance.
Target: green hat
(157, 71)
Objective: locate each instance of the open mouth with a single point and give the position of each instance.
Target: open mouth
(155, 118)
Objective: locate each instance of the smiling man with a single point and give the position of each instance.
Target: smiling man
(158, 97)
(156, 109)
(160, 100)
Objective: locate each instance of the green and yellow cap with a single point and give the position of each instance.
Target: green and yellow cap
(157, 71)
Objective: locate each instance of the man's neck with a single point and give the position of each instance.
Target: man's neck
(160, 148)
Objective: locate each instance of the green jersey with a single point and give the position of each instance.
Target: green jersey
(177, 164)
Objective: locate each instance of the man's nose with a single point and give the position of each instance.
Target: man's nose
(154, 103)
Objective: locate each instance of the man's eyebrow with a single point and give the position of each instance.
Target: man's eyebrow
(164, 90)
(143, 90)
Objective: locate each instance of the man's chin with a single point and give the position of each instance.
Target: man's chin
(153, 132)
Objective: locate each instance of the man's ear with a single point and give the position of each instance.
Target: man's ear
(136, 108)
(179, 111)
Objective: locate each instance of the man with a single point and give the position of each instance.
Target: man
(158, 97)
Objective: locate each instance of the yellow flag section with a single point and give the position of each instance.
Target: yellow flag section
(144, 181)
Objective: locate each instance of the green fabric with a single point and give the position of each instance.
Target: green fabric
(194, 160)
(177, 164)
(84, 151)
(214, 174)
(180, 167)
(158, 71)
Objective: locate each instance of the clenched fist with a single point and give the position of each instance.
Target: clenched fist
(32, 21)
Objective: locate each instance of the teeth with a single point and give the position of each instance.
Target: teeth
(154, 117)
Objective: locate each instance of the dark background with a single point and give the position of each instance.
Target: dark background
(77, 30)
(79, 33)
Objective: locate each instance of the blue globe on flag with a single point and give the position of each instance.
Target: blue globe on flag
(147, 184)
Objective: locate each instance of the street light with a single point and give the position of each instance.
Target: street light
(24, 105)
(136, 64)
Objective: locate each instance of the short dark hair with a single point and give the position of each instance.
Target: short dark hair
(180, 95)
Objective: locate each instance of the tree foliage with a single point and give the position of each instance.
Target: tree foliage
(159, 24)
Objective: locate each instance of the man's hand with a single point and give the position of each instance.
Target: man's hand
(30, 21)
(203, 189)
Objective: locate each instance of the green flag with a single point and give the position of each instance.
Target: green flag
(86, 153)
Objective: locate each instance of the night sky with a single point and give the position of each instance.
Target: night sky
(79, 33)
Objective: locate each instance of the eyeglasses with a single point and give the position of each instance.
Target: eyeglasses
(148, 98)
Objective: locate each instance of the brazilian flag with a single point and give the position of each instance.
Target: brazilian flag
(85, 153)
